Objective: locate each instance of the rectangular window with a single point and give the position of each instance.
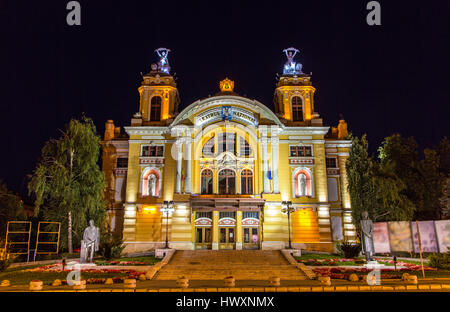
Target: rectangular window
(153, 151)
(226, 214)
(249, 214)
(122, 162)
(331, 162)
(203, 214)
(300, 151)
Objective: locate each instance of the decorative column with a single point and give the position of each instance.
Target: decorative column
(238, 230)
(264, 142)
(215, 230)
(274, 142)
(178, 156)
(187, 182)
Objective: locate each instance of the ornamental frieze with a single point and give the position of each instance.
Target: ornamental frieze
(203, 222)
(152, 161)
(227, 222)
(301, 161)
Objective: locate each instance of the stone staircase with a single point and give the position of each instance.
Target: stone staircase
(218, 264)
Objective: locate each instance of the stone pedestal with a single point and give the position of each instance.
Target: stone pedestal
(161, 252)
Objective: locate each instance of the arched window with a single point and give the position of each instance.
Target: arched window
(155, 109)
(227, 182)
(246, 181)
(246, 150)
(227, 142)
(207, 181)
(297, 108)
(208, 148)
(302, 183)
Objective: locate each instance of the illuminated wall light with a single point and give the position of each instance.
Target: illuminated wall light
(350, 233)
(130, 214)
(324, 221)
(149, 210)
(129, 221)
(349, 226)
(347, 219)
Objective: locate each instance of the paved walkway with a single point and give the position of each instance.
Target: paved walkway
(218, 264)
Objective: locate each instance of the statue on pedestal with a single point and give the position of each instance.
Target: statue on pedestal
(152, 185)
(367, 236)
(302, 184)
(89, 243)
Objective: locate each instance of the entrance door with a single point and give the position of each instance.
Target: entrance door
(226, 237)
(251, 238)
(203, 238)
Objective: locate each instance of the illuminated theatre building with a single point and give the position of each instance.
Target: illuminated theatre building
(226, 164)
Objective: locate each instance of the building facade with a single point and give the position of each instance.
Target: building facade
(228, 167)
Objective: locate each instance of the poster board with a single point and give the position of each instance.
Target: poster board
(400, 236)
(381, 237)
(443, 235)
(428, 237)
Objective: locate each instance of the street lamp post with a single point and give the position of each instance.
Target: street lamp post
(168, 208)
(287, 208)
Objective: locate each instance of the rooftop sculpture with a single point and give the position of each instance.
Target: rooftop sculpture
(291, 67)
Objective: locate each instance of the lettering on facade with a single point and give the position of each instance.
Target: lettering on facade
(203, 222)
(220, 113)
(250, 222)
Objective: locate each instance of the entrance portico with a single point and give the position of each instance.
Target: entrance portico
(227, 222)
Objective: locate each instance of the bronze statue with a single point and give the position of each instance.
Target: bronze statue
(367, 236)
(89, 243)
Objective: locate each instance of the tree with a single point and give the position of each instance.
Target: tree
(433, 183)
(68, 183)
(443, 151)
(374, 187)
(11, 208)
(401, 155)
(388, 195)
(358, 167)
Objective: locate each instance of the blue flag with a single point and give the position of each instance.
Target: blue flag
(269, 175)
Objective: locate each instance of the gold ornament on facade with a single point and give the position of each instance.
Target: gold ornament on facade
(226, 85)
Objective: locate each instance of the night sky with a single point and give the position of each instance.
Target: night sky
(383, 79)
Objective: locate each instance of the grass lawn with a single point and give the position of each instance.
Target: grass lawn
(318, 256)
(149, 260)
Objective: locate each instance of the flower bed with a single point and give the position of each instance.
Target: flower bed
(101, 262)
(56, 268)
(344, 273)
(330, 262)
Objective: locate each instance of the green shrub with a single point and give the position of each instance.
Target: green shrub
(110, 247)
(440, 261)
(348, 250)
(5, 263)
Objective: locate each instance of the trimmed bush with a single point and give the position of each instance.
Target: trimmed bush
(348, 250)
(440, 261)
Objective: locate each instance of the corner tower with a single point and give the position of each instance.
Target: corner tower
(159, 97)
(294, 95)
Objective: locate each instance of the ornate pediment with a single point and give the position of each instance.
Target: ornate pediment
(226, 159)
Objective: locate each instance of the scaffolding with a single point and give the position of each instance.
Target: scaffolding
(10, 240)
(51, 242)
